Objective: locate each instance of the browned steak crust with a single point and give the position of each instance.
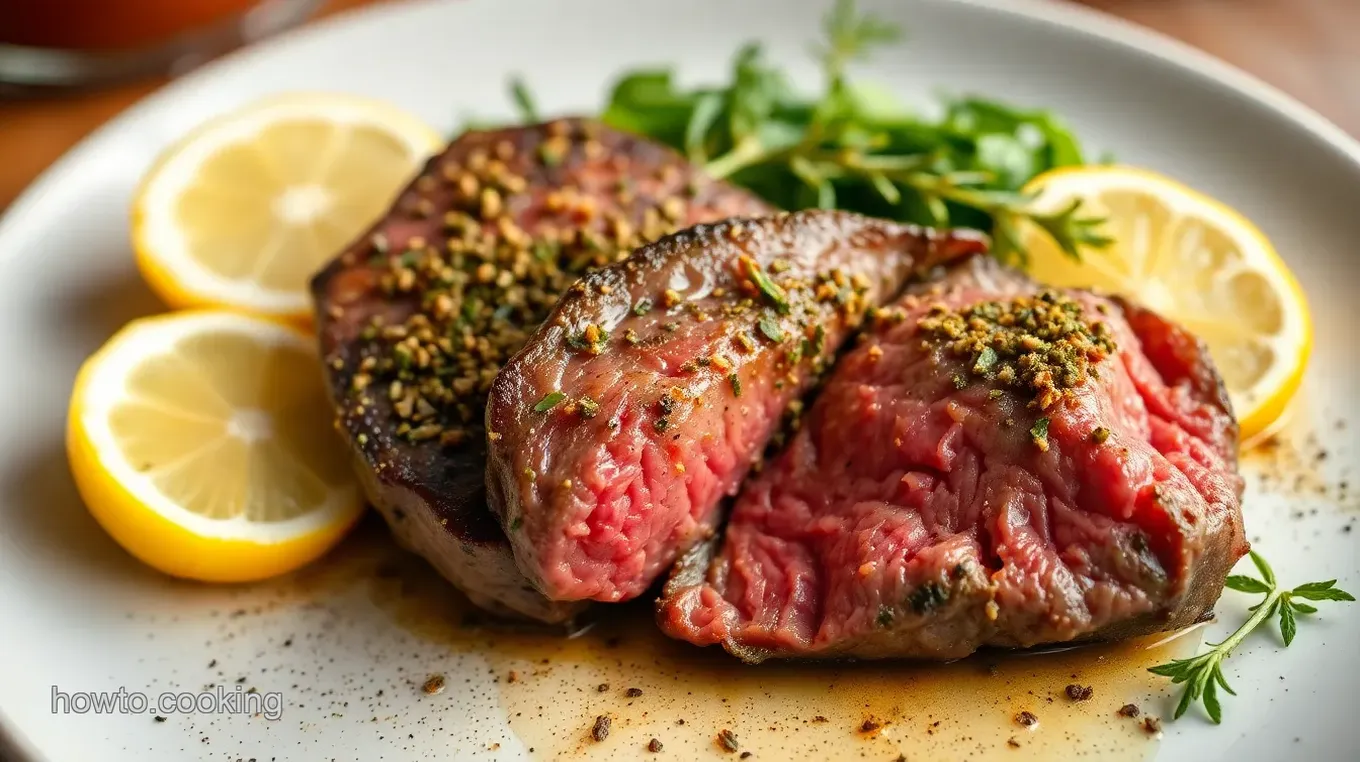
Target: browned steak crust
(1005, 465)
(418, 315)
(645, 397)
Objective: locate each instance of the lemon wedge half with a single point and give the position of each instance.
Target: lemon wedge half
(241, 212)
(202, 442)
(1195, 261)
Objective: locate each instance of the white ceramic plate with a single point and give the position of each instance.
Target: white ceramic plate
(348, 653)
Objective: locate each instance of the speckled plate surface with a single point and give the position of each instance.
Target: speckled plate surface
(349, 646)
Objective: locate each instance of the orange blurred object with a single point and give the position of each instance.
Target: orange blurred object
(108, 24)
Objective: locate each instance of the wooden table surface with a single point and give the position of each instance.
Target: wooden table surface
(1309, 48)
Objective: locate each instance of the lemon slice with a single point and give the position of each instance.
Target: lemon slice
(240, 213)
(202, 442)
(1195, 261)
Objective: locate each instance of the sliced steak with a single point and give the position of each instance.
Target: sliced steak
(418, 315)
(646, 396)
(996, 465)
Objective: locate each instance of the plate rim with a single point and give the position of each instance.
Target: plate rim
(1070, 18)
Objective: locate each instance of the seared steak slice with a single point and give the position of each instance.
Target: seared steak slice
(418, 315)
(655, 384)
(1053, 481)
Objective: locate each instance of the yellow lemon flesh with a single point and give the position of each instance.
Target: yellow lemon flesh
(244, 210)
(1195, 261)
(202, 442)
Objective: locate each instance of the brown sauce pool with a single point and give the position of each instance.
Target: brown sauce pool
(554, 688)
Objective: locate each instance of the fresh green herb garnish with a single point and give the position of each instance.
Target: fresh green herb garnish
(856, 147)
(1203, 674)
(769, 288)
(771, 330)
(549, 402)
(524, 100)
(1039, 433)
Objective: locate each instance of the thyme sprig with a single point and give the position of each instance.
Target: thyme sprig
(1202, 675)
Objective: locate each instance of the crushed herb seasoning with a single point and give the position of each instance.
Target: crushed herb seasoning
(1043, 345)
(986, 360)
(591, 339)
(549, 402)
(885, 616)
(1100, 435)
(928, 597)
(772, 291)
(1039, 433)
(727, 740)
(481, 284)
(771, 329)
(587, 407)
(735, 381)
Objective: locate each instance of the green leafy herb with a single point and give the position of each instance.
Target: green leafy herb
(524, 100)
(735, 381)
(856, 147)
(771, 330)
(769, 288)
(549, 402)
(986, 360)
(1203, 674)
(1039, 432)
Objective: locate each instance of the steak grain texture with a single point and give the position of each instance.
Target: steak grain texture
(646, 396)
(915, 514)
(569, 190)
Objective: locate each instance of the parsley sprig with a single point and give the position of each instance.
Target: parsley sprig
(855, 147)
(1203, 674)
